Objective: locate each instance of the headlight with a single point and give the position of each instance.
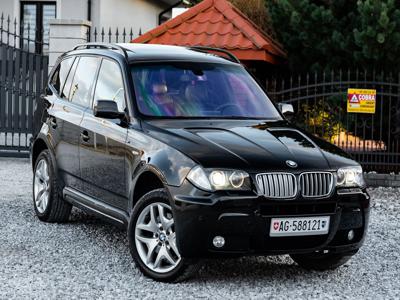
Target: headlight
(212, 180)
(198, 177)
(350, 177)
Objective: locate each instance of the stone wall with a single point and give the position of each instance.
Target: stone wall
(64, 36)
(385, 180)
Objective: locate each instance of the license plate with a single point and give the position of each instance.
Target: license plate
(299, 226)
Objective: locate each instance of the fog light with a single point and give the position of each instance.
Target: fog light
(350, 235)
(218, 241)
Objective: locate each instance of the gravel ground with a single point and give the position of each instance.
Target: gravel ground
(89, 259)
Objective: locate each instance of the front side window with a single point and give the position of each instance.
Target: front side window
(82, 84)
(110, 85)
(183, 89)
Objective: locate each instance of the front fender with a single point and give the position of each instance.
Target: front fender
(147, 153)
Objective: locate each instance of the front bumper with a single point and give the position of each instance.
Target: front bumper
(244, 222)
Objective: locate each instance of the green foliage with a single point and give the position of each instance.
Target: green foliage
(378, 35)
(319, 34)
(321, 117)
(255, 10)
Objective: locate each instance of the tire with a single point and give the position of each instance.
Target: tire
(321, 261)
(47, 192)
(145, 234)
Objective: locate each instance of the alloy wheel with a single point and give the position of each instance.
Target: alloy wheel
(41, 186)
(155, 238)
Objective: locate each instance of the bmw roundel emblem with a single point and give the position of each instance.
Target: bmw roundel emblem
(291, 163)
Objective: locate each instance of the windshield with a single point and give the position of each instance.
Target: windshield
(199, 90)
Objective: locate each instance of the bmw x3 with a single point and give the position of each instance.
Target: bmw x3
(183, 149)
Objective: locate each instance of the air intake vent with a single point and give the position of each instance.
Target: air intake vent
(316, 184)
(277, 185)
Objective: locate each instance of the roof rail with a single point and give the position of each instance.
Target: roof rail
(109, 46)
(205, 49)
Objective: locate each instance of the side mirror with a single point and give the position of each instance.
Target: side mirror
(107, 109)
(286, 110)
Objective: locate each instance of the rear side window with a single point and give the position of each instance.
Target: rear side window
(61, 73)
(67, 86)
(110, 85)
(82, 84)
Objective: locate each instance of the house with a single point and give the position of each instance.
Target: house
(141, 15)
(219, 24)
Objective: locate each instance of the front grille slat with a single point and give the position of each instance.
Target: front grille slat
(285, 185)
(281, 188)
(271, 186)
(307, 184)
(265, 185)
(316, 184)
(327, 183)
(320, 185)
(276, 185)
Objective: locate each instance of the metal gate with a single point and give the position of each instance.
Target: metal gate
(320, 102)
(23, 74)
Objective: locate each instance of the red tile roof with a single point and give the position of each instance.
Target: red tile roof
(216, 23)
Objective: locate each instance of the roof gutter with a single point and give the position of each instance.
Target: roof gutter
(89, 18)
(89, 10)
(167, 10)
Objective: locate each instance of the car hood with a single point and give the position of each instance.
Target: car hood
(251, 145)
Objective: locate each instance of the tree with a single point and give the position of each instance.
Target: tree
(320, 34)
(377, 36)
(314, 33)
(254, 9)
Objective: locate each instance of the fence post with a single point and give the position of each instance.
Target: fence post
(64, 35)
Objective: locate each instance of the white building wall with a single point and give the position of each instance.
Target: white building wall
(72, 9)
(138, 14)
(12, 8)
(7, 7)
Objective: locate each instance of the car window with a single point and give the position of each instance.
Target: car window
(191, 89)
(110, 85)
(67, 86)
(82, 84)
(61, 73)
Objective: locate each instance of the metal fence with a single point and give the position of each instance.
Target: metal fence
(23, 74)
(22, 36)
(108, 35)
(320, 101)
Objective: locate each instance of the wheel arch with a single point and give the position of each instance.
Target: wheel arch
(147, 180)
(41, 143)
(38, 146)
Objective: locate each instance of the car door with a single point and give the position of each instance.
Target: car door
(64, 121)
(102, 144)
(79, 99)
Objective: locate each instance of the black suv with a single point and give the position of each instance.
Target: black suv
(181, 147)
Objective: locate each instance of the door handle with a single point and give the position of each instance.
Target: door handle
(53, 122)
(85, 136)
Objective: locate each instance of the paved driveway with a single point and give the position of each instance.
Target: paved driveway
(88, 258)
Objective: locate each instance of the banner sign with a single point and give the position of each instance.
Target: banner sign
(361, 101)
